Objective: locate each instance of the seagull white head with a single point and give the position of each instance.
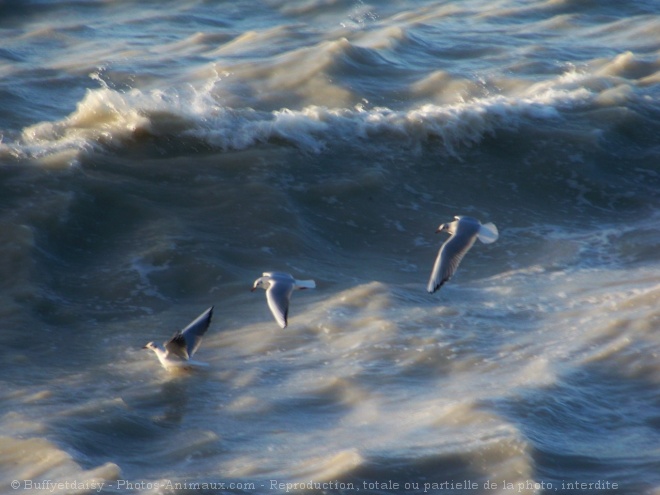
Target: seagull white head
(450, 227)
(261, 283)
(154, 347)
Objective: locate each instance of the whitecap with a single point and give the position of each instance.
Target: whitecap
(107, 118)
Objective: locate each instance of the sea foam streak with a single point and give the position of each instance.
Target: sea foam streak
(109, 118)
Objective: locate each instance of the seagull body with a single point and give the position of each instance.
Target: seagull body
(178, 351)
(279, 287)
(464, 231)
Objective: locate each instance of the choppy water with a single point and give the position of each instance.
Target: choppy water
(156, 158)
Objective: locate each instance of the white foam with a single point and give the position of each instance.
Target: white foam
(107, 118)
(38, 465)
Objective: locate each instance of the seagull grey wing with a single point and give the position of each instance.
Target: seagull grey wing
(278, 296)
(194, 331)
(279, 276)
(186, 342)
(449, 257)
(177, 346)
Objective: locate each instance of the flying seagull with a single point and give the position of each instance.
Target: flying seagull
(464, 231)
(279, 287)
(178, 351)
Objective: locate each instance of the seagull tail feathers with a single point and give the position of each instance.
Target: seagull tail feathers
(306, 284)
(488, 233)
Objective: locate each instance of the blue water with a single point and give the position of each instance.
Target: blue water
(156, 158)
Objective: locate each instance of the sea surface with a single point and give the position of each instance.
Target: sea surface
(157, 157)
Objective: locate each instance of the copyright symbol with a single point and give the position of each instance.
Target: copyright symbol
(15, 484)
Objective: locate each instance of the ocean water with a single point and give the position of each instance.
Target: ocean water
(157, 157)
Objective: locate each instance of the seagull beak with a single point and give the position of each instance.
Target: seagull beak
(253, 289)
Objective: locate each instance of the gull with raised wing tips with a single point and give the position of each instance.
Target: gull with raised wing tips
(178, 351)
(279, 287)
(464, 231)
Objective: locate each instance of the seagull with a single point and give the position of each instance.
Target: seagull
(464, 231)
(279, 287)
(178, 351)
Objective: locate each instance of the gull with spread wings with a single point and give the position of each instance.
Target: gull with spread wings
(464, 231)
(279, 287)
(178, 351)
